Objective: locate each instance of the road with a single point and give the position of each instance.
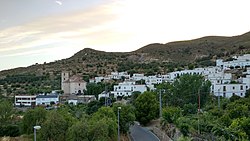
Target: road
(139, 133)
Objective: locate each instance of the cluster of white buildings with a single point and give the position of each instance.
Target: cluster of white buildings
(237, 62)
(223, 84)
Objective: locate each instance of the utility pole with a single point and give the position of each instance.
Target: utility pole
(219, 99)
(160, 112)
(118, 132)
(199, 106)
(105, 95)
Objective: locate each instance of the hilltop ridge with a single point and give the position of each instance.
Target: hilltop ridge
(89, 60)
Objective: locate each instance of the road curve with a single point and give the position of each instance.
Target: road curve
(139, 133)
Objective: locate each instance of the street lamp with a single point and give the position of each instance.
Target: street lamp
(36, 128)
(118, 112)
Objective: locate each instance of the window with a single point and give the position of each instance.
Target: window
(241, 94)
(224, 88)
(233, 94)
(241, 87)
(224, 94)
(233, 88)
(79, 84)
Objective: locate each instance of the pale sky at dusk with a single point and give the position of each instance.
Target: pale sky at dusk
(37, 31)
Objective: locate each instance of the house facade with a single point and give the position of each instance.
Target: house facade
(25, 100)
(47, 99)
(127, 88)
(237, 62)
(228, 90)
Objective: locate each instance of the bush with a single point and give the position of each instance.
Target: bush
(190, 109)
(9, 130)
(171, 114)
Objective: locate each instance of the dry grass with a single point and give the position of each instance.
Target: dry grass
(21, 138)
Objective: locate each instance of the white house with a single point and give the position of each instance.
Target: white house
(73, 84)
(151, 80)
(119, 75)
(239, 61)
(76, 99)
(127, 88)
(170, 77)
(228, 90)
(166, 78)
(176, 74)
(99, 79)
(25, 100)
(219, 78)
(138, 76)
(103, 94)
(47, 99)
(246, 81)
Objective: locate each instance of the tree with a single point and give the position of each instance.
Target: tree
(146, 107)
(134, 96)
(247, 94)
(101, 126)
(54, 128)
(6, 111)
(79, 131)
(1, 91)
(92, 107)
(104, 124)
(241, 128)
(127, 116)
(32, 118)
(104, 129)
(187, 89)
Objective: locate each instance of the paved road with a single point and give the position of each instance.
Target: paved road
(139, 133)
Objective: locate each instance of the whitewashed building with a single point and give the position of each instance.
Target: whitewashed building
(228, 90)
(25, 100)
(138, 76)
(98, 79)
(166, 78)
(151, 80)
(72, 85)
(197, 71)
(47, 99)
(103, 94)
(239, 61)
(127, 88)
(219, 78)
(119, 75)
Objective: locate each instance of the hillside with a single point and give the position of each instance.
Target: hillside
(184, 52)
(161, 57)
(195, 49)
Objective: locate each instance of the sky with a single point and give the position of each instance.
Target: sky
(38, 31)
